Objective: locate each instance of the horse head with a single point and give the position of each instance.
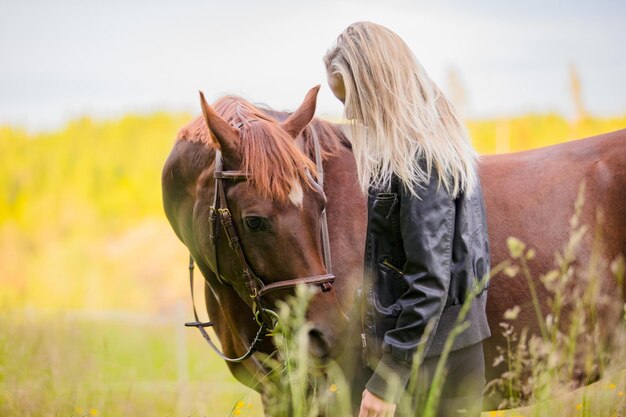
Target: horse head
(266, 186)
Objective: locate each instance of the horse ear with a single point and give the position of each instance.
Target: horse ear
(224, 136)
(298, 120)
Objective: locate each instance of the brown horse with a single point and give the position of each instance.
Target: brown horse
(276, 213)
(531, 195)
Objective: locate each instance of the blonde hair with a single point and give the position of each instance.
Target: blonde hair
(399, 116)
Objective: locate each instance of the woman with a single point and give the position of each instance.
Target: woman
(426, 244)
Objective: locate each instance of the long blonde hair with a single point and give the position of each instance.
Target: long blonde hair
(399, 116)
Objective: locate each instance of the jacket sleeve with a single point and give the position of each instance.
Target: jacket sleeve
(426, 225)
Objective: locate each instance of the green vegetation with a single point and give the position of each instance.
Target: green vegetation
(88, 172)
(82, 229)
(583, 331)
(81, 222)
(297, 387)
(68, 365)
(535, 131)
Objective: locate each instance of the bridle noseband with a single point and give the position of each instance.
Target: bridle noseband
(220, 215)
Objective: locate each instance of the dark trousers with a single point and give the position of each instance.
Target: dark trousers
(462, 391)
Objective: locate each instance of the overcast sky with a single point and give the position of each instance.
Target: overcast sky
(63, 59)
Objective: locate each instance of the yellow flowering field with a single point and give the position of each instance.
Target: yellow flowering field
(93, 287)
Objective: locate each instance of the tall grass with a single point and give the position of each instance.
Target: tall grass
(542, 370)
(300, 386)
(70, 365)
(430, 404)
(582, 334)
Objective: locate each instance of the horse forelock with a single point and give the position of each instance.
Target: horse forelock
(267, 152)
(273, 160)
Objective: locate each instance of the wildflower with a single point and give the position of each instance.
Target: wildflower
(620, 394)
(497, 361)
(93, 412)
(512, 313)
(333, 388)
(238, 407)
(516, 247)
(579, 406)
(612, 386)
(549, 278)
(618, 266)
(511, 271)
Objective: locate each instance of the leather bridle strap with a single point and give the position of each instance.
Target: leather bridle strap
(324, 281)
(320, 181)
(214, 217)
(258, 339)
(255, 286)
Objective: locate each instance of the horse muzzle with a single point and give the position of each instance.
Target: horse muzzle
(319, 348)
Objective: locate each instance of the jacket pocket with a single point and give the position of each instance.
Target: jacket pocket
(480, 255)
(388, 288)
(384, 203)
(479, 241)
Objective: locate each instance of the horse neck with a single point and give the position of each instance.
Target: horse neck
(347, 231)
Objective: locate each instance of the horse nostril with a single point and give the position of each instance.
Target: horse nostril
(318, 347)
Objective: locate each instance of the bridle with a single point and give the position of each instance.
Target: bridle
(220, 215)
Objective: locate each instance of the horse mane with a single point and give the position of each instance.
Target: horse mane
(268, 153)
(332, 137)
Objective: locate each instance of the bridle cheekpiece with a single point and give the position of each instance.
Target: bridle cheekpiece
(220, 218)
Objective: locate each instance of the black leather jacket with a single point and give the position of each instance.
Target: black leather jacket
(422, 256)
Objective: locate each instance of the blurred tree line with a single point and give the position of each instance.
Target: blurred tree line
(106, 171)
(71, 199)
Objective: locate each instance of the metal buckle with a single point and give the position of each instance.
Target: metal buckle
(274, 317)
(213, 227)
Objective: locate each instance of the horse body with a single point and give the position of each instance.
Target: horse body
(529, 195)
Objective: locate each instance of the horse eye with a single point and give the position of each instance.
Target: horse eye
(255, 223)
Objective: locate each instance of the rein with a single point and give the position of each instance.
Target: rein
(257, 289)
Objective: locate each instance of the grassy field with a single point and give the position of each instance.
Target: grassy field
(63, 364)
(93, 286)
